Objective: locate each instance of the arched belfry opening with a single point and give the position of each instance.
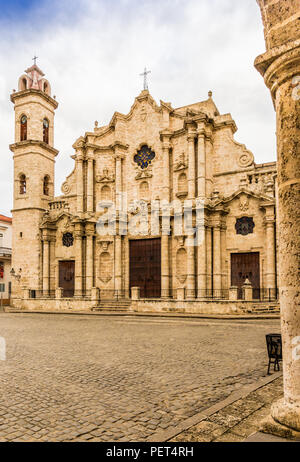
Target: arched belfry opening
(23, 134)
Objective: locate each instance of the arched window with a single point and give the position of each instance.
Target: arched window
(46, 186)
(22, 184)
(23, 136)
(24, 84)
(45, 87)
(46, 131)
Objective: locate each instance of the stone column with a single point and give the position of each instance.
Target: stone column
(79, 181)
(165, 138)
(190, 280)
(201, 252)
(280, 67)
(119, 182)
(209, 260)
(191, 164)
(201, 180)
(165, 265)
(46, 266)
(89, 231)
(78, 260)
(118, 265)
(90, 184)
(270, 253)
(217, 276)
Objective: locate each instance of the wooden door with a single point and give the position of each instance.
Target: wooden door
(145, 267)
(245, 266)
(67, 277)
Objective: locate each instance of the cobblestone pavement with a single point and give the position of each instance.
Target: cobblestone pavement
(237, 421)
(81, 378)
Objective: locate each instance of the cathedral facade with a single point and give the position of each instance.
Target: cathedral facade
(162, 205)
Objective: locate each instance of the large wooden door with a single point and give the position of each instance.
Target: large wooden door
(245, 266)
(67, 277)
(145, 267)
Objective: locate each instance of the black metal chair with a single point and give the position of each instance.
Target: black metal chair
(274, 345)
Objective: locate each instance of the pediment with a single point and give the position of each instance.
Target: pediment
(247, 194)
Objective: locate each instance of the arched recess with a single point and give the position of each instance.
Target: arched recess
(144, 190)
(106, 193)
(105, 267)
(182, 183)
(181, 265)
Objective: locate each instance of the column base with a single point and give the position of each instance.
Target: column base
(284, 420)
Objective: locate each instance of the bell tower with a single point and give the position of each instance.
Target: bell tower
(34, 162)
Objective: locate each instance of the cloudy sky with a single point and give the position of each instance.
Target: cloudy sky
(92, 52)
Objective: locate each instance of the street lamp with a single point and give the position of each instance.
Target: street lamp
(14, 275)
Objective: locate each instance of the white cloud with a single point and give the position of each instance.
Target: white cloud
(93, 51)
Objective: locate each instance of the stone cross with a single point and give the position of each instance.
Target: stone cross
(144, 74)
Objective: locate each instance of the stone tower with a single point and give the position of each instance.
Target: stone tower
(34, 161)
(280, 67)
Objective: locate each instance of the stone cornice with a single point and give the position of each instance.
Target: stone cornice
(21, 144)
(22, 94)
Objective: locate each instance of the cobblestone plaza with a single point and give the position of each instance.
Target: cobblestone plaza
(114, 378)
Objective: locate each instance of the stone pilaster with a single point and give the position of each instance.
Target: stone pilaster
(46, 265)
(165, 264)
(191, 279)
(217, 276)
(166, 145)
(201, 253)
(201, 160)
(90, 182)
(270, 272)
(209, 259)
(78, 259)
(89, 232)
(280, 67)
(79, 181)
(191, 164)
(118, 264)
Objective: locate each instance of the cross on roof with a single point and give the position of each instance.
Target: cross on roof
(144, 74)
(34, 59)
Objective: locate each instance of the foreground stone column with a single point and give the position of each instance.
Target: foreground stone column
(280, 67)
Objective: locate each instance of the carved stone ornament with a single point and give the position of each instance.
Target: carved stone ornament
(67, 240)
(106, 177)
(181, 163)
(244, 203)
(66, 188)
(246, 159)
(104, 245)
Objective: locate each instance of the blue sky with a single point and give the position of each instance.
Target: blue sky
(92, 52)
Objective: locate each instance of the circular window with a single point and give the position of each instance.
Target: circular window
(144, 157)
